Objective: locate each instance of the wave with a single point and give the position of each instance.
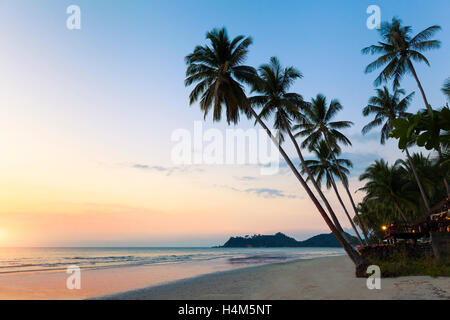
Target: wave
(88, 258)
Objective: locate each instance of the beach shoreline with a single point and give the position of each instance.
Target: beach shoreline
(328, 278)
(42, 273)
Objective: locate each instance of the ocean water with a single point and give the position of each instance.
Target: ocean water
(14, 260)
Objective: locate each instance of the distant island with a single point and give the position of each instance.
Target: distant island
(281, 240)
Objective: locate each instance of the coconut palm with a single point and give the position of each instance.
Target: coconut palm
(424, 168)
(219, 74)
(324, 168)
(272, 96)
(274, 99)
(318, 125)
(398, 50)
(386, 107)
(385, 187)
(374, 217)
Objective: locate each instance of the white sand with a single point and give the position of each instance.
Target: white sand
(322, 278)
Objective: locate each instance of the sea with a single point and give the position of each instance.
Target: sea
(16, 260)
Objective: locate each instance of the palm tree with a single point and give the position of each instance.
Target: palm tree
(218, 71)
(386, 107)
(424, 168)
(374, 218)
(318, 125)
(324, 169)
(273, 98)
(446, 88)
(398, 49)
(384, 187)
(391, 191)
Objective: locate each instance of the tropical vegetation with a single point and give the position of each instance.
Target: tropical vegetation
(224, 85)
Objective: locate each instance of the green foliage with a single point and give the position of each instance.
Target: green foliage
(318, 124)
(401, 266)
(273, 96)
(398, 48)
(386, 107)
(404, 129)
(428, 128)
(218, 73)
(386, 190)
(392, 194)
(324, 167)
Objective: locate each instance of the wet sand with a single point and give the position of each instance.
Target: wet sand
(321, 278)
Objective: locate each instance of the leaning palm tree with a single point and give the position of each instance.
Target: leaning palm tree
(386, 107)
(398, 50)
(446, 88)
(274, 99)
(318, 125)
(219, 74)
(324, 168)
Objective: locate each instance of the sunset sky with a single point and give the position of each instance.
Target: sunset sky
(86, 116)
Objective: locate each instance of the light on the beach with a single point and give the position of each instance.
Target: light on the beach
(384, 228)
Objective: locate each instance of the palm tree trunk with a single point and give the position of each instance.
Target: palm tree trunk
(446, 187)
(413, 71)
(333, 183)
(445, 179)
(351, 252)
(416, 176)
(314, 182)
(402, 213)
(341, 176)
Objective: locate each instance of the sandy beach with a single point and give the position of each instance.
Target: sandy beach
(303, 279)
(321, 278)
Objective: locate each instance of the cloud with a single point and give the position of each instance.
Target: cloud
(267, 193)
(245, 178)
(147, 167)
(167, 170)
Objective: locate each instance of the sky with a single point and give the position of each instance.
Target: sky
(87, 116)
